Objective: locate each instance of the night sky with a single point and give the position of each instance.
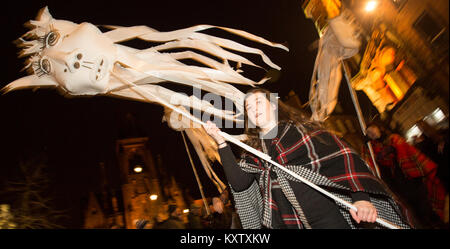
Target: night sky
(75, 134)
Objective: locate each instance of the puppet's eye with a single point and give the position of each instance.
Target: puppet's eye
(51, 38)
(45, 66)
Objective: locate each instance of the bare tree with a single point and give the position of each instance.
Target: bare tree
(32, 207)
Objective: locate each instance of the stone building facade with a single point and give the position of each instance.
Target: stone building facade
(144, 194)
(402, 65)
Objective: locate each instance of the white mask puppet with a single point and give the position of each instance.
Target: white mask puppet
(76, 58)
(79, 59)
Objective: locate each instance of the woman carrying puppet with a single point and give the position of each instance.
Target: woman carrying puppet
(267, 197)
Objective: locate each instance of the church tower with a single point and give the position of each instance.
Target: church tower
(144, 191)
(143, 195)
(140, 188)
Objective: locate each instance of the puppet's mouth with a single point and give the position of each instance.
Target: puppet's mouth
(100, 69)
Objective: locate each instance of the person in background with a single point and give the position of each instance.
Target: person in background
(194, 217)
(142, 224)
(409, 174)
(158, 220)
(221, 217)
(434, 144)
(230, 205)
(174, 221)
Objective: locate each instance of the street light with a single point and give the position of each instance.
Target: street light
(370, 6)
(153, 197)
(138, 169)
(185, 211)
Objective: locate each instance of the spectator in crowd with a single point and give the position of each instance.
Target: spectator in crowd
(194, 217)
(409, 174)
(174, 221)
(142, 224)
(158, 220)
(221, 217)
(434, 144)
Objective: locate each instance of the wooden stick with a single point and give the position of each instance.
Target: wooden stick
(200, 187)
(362, 124)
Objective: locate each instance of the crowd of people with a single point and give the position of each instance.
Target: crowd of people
(220, 215)
(416, 172)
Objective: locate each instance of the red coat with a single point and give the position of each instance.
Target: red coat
(413, 164)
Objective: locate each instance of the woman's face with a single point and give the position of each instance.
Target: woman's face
(373, 132)
(260, 111)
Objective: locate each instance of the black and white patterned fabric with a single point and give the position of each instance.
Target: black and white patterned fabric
(249, 203)
(253, 204)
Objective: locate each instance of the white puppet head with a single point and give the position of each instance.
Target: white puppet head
(76, 57)
(79, 59)
(82, 60)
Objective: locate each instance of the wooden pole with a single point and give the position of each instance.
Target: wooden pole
(362, 123)
(200, 187)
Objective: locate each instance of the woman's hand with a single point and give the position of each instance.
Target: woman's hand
(213, 131)
(366, 212)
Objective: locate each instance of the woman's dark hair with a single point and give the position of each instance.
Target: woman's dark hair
(285, 113)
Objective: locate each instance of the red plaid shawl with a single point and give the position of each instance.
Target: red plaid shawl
(320, 152)
(326, 154)
(413, 164)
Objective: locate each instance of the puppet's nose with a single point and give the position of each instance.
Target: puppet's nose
(72, 60)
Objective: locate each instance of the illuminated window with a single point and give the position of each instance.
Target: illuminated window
(438, 115)
(138, 169)
(435, 117)
(136, 164)
(413, 131)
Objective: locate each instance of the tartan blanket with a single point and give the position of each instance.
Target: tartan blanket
(396, 151)
(323, 159)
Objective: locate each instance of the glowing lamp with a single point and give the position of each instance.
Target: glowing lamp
(153, 197)
(138, 169)
(371, 6)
